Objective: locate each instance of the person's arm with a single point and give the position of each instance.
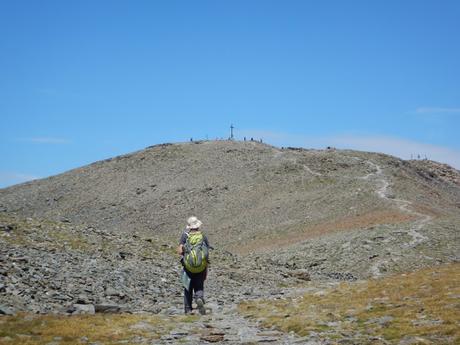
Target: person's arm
(183, 239)
(206, 241)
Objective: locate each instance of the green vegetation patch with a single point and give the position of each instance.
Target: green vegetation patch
(424, 305)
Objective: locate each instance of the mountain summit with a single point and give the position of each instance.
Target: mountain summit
(251, 195)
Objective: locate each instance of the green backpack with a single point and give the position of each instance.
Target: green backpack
(195, 252)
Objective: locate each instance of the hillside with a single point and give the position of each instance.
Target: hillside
(103, 235)
(242, 190)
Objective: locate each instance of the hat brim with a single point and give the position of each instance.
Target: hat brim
(195, 225)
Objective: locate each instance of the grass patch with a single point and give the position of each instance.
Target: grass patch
(69, 240)
(72, 237)
(26, 329)
(298, 234)
(424, 304)
(26, 231)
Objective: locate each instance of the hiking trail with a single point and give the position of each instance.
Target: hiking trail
(223, 323)
(404, 205)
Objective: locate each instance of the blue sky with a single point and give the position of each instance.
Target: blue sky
(83, 80)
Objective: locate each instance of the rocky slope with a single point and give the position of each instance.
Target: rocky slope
(51, 267)
(244, 191)
(102, 237)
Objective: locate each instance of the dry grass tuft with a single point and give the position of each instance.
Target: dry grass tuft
(26, 329)
(288, 238)
(423, 304)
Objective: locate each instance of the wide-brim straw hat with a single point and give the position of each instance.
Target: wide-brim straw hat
(194, 223)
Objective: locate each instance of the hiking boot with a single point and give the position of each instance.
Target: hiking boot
(200, 304)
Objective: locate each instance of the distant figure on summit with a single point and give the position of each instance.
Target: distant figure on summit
(194, 251)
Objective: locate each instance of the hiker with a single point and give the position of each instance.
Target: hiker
(193, 249)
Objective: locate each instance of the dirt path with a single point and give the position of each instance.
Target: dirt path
(306, 168)
(404, 205)
(223, 324)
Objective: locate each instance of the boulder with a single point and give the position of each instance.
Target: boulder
(6, 310)
(112, 292)
(83, 309)
(301, 274)
(107, 308)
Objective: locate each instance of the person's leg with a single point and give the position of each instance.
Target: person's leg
(188, 294)
(198, 285)
(199, 291)
(195, 287)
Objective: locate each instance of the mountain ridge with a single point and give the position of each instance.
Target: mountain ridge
(237, 187)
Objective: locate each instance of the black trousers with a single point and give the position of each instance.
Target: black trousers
(196, 287)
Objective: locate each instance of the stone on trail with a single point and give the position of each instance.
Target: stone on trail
(179, 333)
(83, 309)
(112, 292)
(107, 308)
(171, 311)
(6, 311)
(213, 337)
(143, 326)
(410, 340)
(7, 227)
(301, 274)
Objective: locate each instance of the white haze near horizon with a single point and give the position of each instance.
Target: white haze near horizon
(399, 147)
(8, 179)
